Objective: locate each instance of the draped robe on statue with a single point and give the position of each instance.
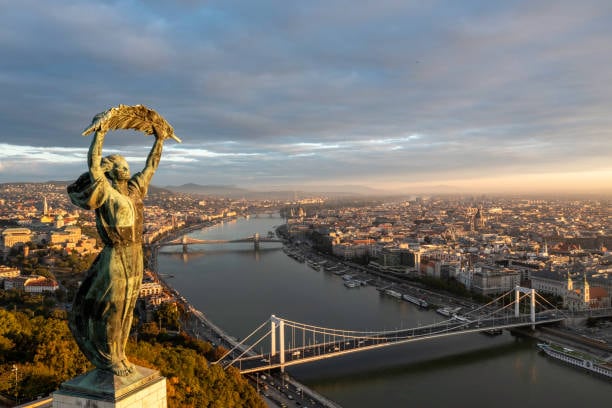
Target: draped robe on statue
(102, 311)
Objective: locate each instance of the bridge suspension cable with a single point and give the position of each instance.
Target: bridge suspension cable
(553, 306)
(238, 344)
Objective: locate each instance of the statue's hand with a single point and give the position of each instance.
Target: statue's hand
(97, 125)
(160, 134)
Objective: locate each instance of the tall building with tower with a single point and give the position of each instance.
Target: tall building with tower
(480, 221)
(476, 218)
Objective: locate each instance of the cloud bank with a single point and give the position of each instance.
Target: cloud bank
(391, 94)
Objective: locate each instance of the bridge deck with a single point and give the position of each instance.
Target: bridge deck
(193, 241)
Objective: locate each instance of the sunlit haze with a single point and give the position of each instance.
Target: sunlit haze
(443, 96)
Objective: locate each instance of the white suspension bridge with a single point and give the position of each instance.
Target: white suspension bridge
(255, 239)
(291, 343)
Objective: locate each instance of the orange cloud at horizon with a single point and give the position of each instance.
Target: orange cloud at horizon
(586, 182)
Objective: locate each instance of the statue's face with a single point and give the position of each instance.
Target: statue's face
(121, 170)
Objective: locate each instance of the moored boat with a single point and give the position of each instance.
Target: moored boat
(443, 311)
(331, 268)
(352, 284)
(577, 359)
(393, 293)
(413, 299)
(447, 311)
(298, 257)
(461, 318)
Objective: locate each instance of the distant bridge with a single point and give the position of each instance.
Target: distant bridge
(292, 343)
(186, 241)
(269, 213)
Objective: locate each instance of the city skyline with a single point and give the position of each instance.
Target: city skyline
(439, 97)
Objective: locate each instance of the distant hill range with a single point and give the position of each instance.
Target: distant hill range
(275, 194)
(338, 192)
(229, 191)
(62, 184)
(216, 190)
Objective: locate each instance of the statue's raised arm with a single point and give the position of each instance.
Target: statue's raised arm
(94, 156)
(154, 157)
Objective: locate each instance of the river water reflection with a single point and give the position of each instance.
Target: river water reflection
(238, 288)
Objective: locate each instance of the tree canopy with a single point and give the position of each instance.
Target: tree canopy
(45, 354)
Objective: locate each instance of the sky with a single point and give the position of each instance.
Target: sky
(401, 96)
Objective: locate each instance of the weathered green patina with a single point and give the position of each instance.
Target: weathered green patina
(102, 310)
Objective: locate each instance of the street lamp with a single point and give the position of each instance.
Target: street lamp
(15, 369)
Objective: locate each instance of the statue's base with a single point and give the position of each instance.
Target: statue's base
(101, 389)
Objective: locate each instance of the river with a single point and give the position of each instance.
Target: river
(238, 288)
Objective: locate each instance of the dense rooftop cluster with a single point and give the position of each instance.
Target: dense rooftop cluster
(487, 244)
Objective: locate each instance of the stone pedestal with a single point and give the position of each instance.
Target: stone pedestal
(144, 388)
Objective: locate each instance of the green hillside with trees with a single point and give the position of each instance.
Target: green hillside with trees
(38, 353)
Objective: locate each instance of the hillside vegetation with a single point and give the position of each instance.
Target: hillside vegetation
(40, 346)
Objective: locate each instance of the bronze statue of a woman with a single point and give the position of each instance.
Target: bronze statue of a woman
(102, 310)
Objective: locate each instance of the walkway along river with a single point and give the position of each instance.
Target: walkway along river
(238, 288)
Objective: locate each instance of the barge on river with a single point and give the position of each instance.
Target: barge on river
(417, 301)
(577, 359)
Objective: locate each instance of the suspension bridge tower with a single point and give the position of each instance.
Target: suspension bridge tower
(275, 323)
(532, 304)
(185, 243)
(256, 241)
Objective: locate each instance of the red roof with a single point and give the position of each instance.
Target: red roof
(598, 292)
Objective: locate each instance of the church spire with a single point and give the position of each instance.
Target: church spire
(587, 291)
